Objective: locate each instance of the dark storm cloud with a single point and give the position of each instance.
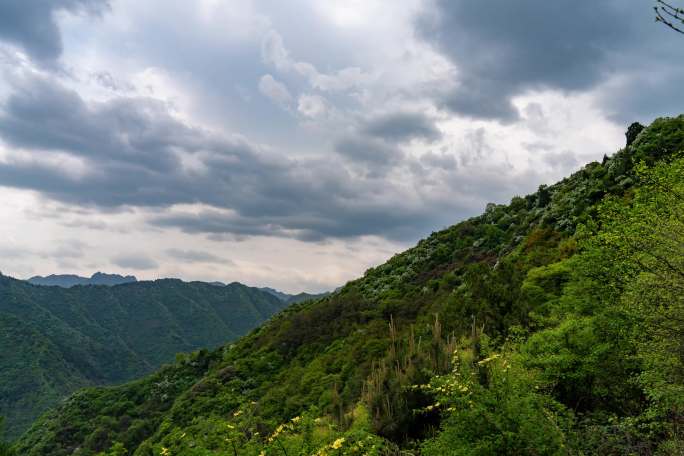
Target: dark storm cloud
(376, 142)
(361, 149)
(403, 126)
(31, 24)
(503, 48)
(134, 153)
(338, 221)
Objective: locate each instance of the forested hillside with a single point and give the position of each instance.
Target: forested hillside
(551, 325)
(56, 340)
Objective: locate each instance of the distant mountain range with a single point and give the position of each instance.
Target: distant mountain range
(66, 337)
(70, 280)
(101, 278)
(292, 299)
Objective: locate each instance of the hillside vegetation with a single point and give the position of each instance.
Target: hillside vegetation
(56, 340)
(552, 325)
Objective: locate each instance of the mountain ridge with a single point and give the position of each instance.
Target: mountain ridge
(371, 365)
(90, 335)
(71, 280)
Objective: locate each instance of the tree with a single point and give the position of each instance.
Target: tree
(633, 131)
(639, 252)
(5, 448)
(669, 15)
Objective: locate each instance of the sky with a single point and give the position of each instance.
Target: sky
(296, 144)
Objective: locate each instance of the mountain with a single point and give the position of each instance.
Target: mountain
(551, 325)
(278, 294)
(70, 280)
(293, 299)
(301, 297)
(63, 339)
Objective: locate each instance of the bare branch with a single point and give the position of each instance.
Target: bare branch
(669, 15)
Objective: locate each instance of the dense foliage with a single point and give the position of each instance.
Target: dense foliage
(550, 326)
(55, 340)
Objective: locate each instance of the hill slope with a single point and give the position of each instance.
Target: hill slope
(503, 334)
(63, 339)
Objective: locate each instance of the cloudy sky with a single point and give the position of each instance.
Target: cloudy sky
(294, 144)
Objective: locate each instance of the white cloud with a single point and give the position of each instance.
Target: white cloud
(274, 53)
(275, 90)
(312, 105)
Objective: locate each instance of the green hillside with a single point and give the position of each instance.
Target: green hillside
(549, 326)
(57, 340)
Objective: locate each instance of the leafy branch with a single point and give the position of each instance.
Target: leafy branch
(669, 15)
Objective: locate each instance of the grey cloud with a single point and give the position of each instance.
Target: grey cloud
(376, 142)
(136, 154)
(504, 48)
(196, 256)
(477, 146)
(439, 160)
(31, 23)
(562, 160)
(398, 223)
(108, 81)
(361, 149)
(402, 126)
(644, 94)
(139, 262)
(71, 249)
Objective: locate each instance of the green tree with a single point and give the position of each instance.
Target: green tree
(5, 447)
(639, 254)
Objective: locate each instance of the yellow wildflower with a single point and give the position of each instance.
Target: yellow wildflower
(486, 360)
(337, 444)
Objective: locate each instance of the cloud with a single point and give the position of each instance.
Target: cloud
(354, 219)
(13, 252)
(106, 80)
(376, 155)
(275, 90)
(312, 106)
(502, 49)
(402, 126)
(135, 261)
(274, 53)
(197, 256)
(32, 24)
(380, 148)
(130, 151)
(71, 249)
(439, 160)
